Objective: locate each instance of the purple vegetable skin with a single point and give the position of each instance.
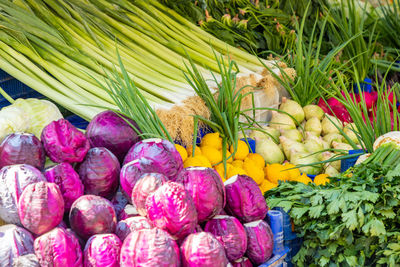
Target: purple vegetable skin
(161, 156)
(28, 260)
(99, 172)
(127, 212)
(102, 251)
(146, 185)
(41, 207)
(202, 249)
(260, 241)
(129, 175)
(244, 199)
(149, 248)
(63, 142)
(67, 180)
(22, 148)
(58, 248)
(125, 227)
(92, 215)
(15, 241)
(206, 188)
(242, 262)
(108, 129)
(230, 233)
(171, 208)
(13, 180)
(119, 202)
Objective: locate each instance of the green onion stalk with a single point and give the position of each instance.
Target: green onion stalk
(64, 50)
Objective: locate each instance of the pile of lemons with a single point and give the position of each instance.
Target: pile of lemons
(209, 154)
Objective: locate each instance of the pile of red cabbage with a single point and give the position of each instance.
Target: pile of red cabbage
(86, 209)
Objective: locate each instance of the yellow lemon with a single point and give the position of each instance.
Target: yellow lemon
(212, 154)
(192, 162)
(235, 171)
(213, 140)
(221, 171)
(267, 185)
(303, 179)
(293, 173)
(257, 158)
(253, 170)
(182, 151)
(321, 179)
(228, 158)
(275, 173)
(238, 163)
(197, 150)
(242, 150)
(204, 161)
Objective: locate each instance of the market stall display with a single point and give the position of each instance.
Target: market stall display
(196, 152)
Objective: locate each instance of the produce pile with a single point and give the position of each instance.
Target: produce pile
(351, 221)
(109, 197)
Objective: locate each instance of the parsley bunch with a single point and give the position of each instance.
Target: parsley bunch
(353, 221)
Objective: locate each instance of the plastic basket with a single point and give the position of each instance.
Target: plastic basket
(348, 163)
(15, 89)
(287, 226)
(365, 86)
(294, 246)
(276, 260)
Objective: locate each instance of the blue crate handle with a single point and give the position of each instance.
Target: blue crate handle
(276, 223)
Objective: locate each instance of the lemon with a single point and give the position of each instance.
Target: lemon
(182, 151)
(212, 154)
(257, 158)
(242, 150)
(275, 173)
(192, 162)
(204, 161)
(293, 173)
(238, 163)
(228, 158)
(221, 171)
(267, 185)
(212, 140)
(197, 150)
(321, 179)
(303, 179)
(235, 171)
(256, 173)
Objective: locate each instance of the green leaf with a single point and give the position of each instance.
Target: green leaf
(360, 215)
(316, 200)
(386, 213)
(334, 206)
(351, 260)
(315, 212)
(375, 227)
(350, 219)
(298, 212)
(323, 261)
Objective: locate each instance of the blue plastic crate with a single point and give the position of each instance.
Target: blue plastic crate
(294, 246)
(365, 86)
(77, 121)
(348, 163)
(276, 260)
(288, 233)
(15, 89)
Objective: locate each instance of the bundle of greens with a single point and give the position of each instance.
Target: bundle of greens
(353, 220)
(253, 25)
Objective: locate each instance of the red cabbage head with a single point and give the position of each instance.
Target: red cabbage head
(63, 142)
